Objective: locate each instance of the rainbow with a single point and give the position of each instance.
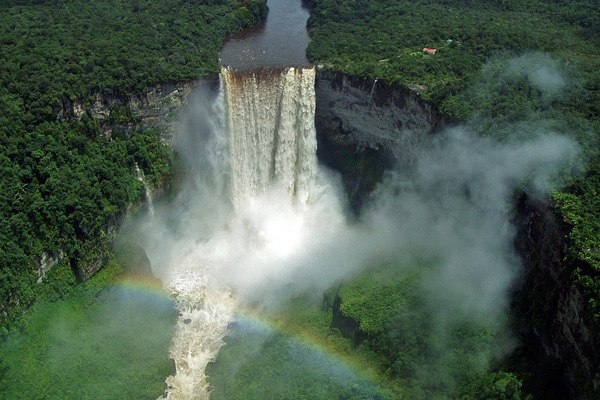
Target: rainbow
(319, 345)
(144, 285)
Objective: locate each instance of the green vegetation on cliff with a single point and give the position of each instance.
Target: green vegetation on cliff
(426, 358)
(293, 353)
(66, 177)
(303, 351)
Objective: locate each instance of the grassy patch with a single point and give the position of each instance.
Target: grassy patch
(95, 343)
(293, 354)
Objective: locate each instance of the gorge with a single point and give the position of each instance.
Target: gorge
(433, 218)
(331, 236)
(259, 174)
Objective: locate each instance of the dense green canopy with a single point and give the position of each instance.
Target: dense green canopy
(480, 76)
(64, 182)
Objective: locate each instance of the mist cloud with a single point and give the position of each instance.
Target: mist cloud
(544, 72)
(456, 209)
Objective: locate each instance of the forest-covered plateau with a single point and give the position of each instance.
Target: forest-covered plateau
(467, 80)
(65, 183)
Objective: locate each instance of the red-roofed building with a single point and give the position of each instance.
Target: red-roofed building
(429, 50)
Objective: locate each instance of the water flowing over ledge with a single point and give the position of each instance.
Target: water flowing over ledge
(271, 170)
(271, 130)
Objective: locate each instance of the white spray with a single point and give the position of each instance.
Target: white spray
(266, 222)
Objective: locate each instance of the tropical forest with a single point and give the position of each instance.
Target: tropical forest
(89, 94)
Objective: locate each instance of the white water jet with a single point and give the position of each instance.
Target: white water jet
(372, 92)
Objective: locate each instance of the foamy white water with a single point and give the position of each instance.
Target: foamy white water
(272, 166)
(203, 319)
(271, 131)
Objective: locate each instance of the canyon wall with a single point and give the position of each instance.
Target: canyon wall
(158, 106)
(363, 128)
(558, 336)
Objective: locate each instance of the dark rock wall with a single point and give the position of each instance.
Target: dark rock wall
(558, 337)
(363, 128)
(372, 115)
(346, 325)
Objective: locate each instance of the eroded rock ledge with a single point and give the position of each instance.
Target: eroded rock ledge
(558, 335)
(363, 128)
(158, 106)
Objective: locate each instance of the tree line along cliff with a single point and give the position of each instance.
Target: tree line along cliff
(467, 80)
(66, 175)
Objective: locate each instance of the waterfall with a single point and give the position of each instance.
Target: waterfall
(372, 92)
(269, 127)
(139, 174)
(271, 131)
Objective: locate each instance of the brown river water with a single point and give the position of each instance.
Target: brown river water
(278, 42)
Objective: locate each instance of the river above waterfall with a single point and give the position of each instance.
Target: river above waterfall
(278, 42)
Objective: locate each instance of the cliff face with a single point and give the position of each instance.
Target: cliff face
(365, 127)
(557, 333)
(158, 106)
